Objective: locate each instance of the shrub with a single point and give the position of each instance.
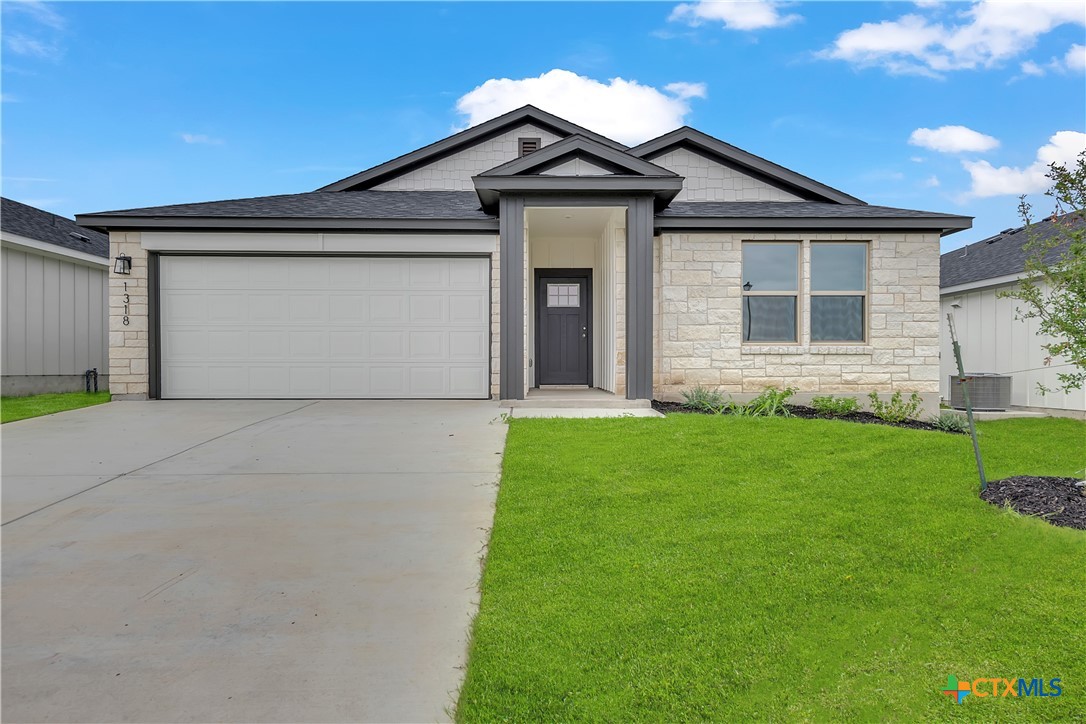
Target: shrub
(896, 409)
(704, 400)
(830, 406)
(950, 422)
(771, 403)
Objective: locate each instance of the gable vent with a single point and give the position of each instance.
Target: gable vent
(527, 145)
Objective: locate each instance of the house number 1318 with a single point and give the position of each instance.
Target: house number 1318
(124, 320)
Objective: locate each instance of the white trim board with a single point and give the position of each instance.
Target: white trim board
(44, 248)
(320, 243)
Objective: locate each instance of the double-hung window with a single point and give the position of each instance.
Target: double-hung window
(771, 291)
(838, 291)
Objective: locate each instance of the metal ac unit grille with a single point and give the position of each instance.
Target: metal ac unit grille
(986, 391)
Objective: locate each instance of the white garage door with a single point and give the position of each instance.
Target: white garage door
(307, 327)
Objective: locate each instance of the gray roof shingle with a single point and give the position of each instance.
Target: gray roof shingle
(32, 223)
(790, 210)
(1002, 254)
(327, 205)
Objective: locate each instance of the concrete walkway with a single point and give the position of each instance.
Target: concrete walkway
(271, 561)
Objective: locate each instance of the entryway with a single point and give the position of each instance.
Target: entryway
(564, 323)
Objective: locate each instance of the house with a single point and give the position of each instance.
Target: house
(530, 252)
(993, 339)
(54, 288)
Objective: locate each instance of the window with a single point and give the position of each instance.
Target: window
(527, 145)
(838, 292)
(563, 295)
(770, 291)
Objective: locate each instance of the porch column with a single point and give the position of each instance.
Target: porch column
(511, 315)
(638, 299)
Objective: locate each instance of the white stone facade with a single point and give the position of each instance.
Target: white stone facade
(128, 320)
(454, 172)
(707, 180)
(698, 322)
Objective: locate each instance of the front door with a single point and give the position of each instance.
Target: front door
(563, 326)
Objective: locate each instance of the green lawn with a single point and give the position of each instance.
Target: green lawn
(20, 408)
(735, 569)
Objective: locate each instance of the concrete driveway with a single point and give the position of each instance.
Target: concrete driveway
(265, 561)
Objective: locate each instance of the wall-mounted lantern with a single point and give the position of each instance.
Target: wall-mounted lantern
(123, 265)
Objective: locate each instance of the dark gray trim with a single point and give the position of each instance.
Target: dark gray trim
(555, 273)
(639, 236)
(578, 145)
(942, 224)
(154, 327)
(695, 139)
(491, 188)
(215, 223)
(511, 312)
(496, 126)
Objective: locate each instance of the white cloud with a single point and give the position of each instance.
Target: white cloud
(39, 12)
(624, 110)
(21, 44)
(734, 14)
(984, 36)
(952, 139)
(989, 180)
(1075, 58)
(931, 182)
(917, 159)
(201, 138)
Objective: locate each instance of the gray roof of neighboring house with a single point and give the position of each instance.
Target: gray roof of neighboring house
(1003, 254)
(32, 223)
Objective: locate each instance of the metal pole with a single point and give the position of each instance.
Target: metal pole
(968, 404)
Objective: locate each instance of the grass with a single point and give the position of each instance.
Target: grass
(732, 569)
(20, 408)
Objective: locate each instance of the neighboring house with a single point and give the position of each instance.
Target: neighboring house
(55, 295)
(993, 339)
(525, 252)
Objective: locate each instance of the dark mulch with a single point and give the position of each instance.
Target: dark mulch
(809, 413)
(1056, 500)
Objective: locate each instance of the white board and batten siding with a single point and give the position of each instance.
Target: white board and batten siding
(992, 340)
(54, 316)
(324, 327)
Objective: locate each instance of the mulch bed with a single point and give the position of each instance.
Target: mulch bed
(809, 413)
(1056, 500)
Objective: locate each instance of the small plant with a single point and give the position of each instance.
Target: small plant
(950, 422)
(771, 403)
(830, 406)
(896, 409)
(704, 400)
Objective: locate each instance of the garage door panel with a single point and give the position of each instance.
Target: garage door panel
(325, 327)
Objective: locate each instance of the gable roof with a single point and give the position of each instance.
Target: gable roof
(578, 146)
(1003, 254)
(734, 157)
(454, 210)
(32, 223)
(495, 126)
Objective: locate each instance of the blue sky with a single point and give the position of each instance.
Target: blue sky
(117, 105)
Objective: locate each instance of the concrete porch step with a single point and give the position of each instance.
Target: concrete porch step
(575, 402)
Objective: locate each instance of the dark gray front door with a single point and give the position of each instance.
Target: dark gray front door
(563, 324)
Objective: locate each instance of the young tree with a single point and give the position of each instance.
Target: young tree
(1054, 289)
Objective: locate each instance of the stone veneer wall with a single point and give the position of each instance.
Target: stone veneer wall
(698, 325)
(128, 343)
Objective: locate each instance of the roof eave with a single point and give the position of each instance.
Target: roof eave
(490, 188)
(200, 223)
(943, 224)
